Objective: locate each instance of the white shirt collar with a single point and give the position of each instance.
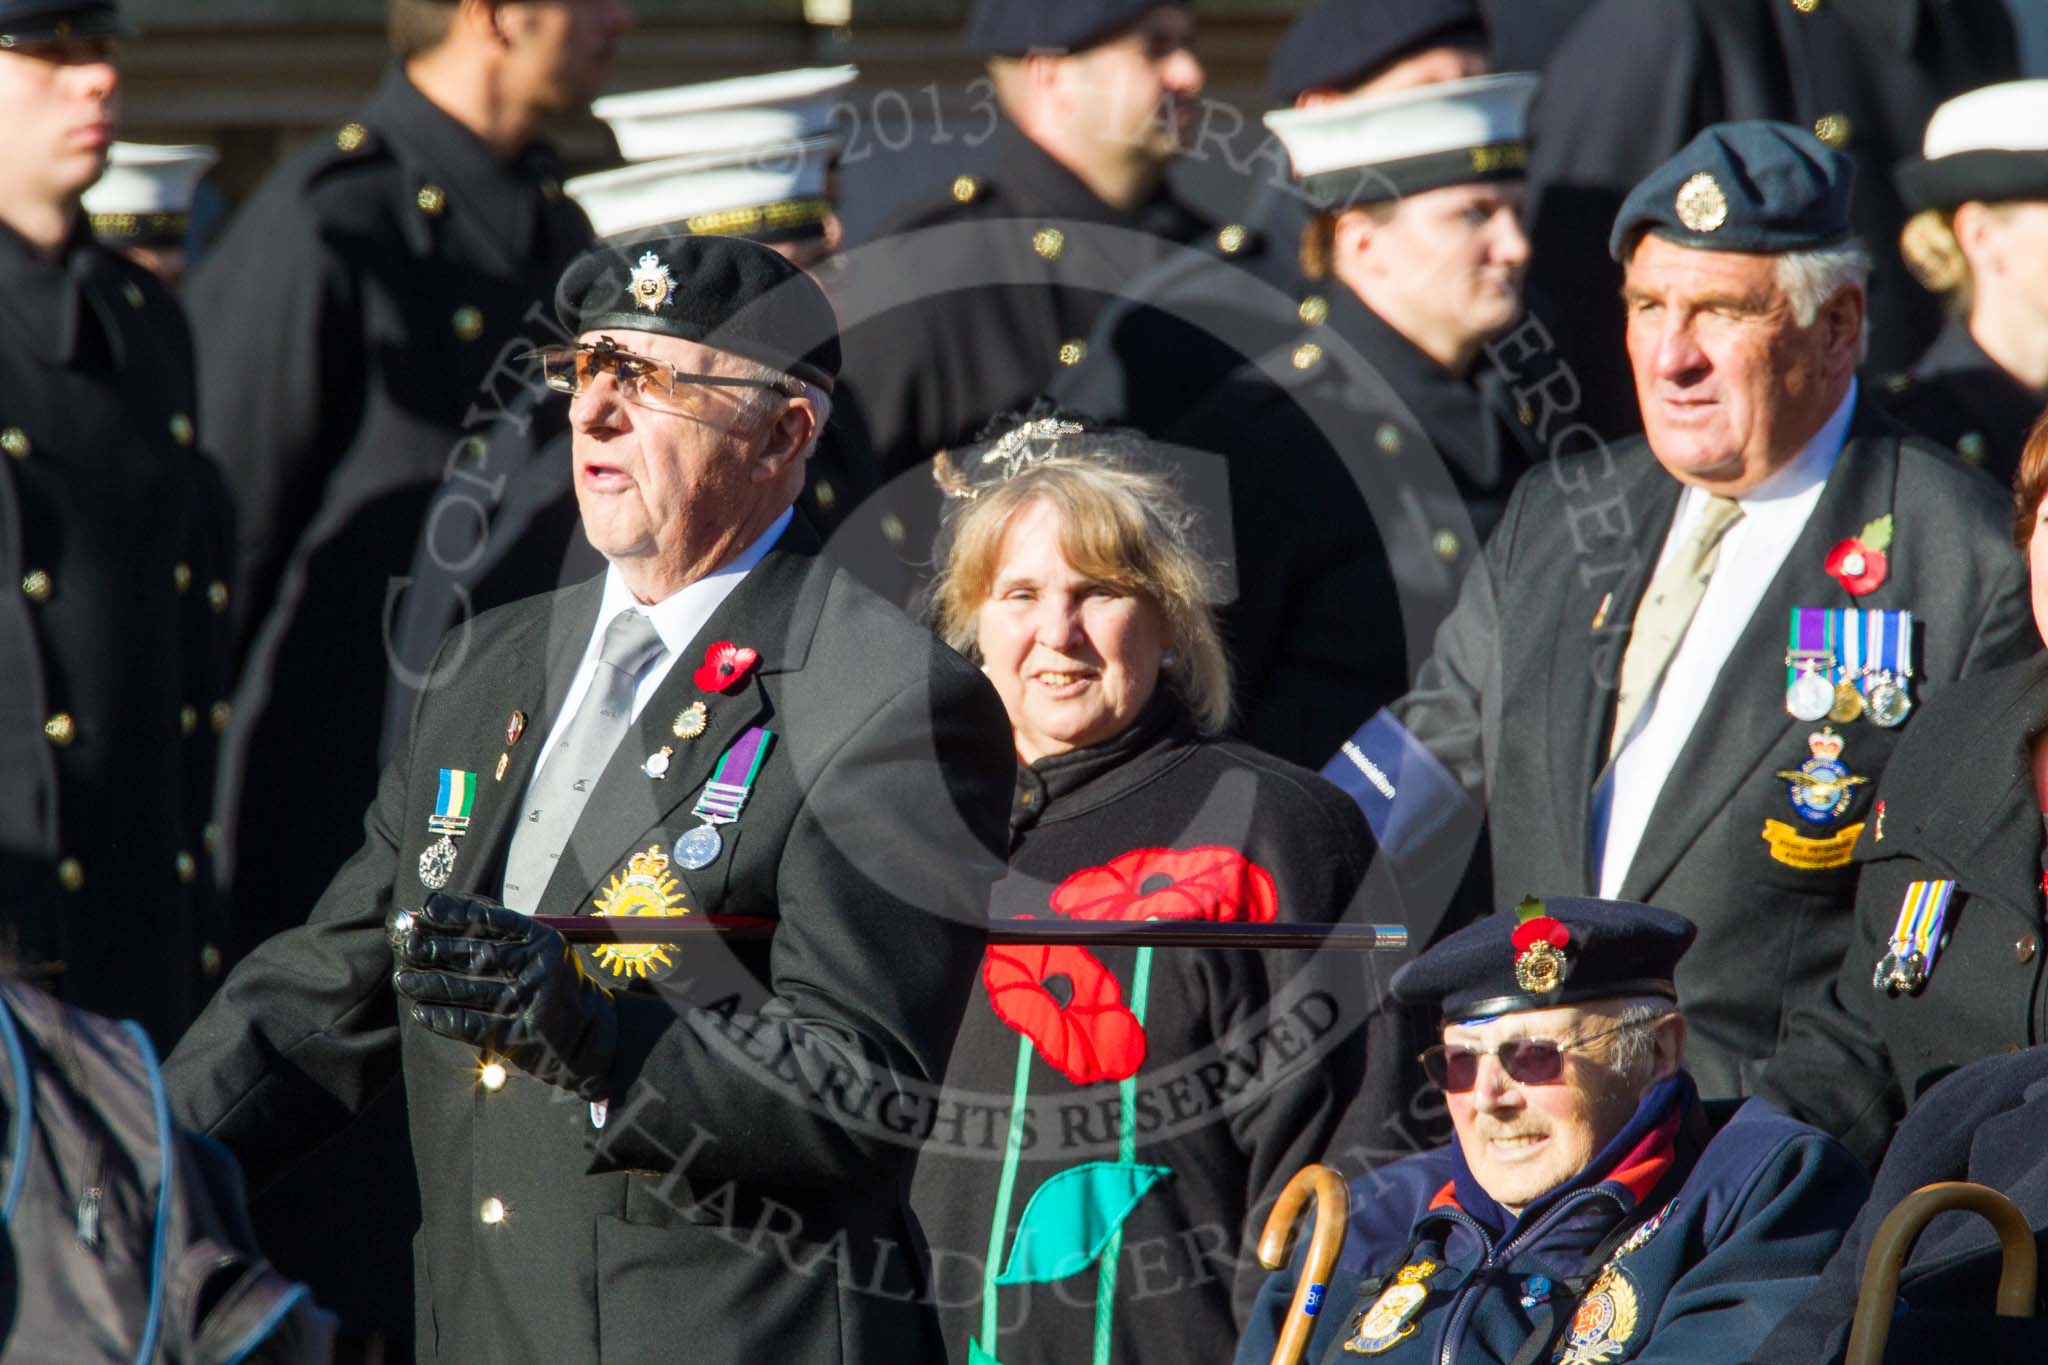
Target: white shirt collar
(679, 616)
(1812, 465)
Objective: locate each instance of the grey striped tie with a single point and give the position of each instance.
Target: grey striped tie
(579, 757)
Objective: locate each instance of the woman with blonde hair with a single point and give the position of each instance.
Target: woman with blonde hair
(1114, 1121)
(1979, 238)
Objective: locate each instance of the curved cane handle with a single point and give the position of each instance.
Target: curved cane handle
(1333, 1211)
(2017, 1276)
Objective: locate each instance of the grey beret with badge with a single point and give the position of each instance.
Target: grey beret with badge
(727, 293)
(1752, 186)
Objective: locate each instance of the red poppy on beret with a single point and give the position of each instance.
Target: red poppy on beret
(1540, 929)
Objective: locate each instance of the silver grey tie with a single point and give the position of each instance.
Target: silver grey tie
(572, 768)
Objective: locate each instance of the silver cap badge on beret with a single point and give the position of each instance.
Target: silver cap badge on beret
(651, 283)
(1701, 205)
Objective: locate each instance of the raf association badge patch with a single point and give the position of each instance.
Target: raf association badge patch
(645, 888)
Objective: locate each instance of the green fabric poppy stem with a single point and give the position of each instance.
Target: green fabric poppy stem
(1126, 1152)
(1013, 1147)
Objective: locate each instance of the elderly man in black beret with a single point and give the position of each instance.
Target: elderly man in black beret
(1683, 661)
(1592, 1208)
(644, 1148)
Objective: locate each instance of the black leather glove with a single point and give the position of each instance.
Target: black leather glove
(501, 981)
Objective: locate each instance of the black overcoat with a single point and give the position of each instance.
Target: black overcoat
(1518, 698)
(1959, 396)
(997, 287)
(359, 327)
(114, 545)
(1982, 1124)
(740, 1200)
(1958, 804)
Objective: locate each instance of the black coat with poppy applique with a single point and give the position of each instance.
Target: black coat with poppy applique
(1171, 1092)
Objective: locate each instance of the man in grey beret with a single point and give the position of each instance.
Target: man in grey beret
(645, 1149)
(1683, 661)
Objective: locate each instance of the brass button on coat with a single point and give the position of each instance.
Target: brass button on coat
(2024, 948)
(70, 874)
(36, 586)
(186, 866)
(493, 1212)
(60, 729)
(15, 442)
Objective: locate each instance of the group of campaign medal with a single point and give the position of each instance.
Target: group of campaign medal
(1601, 1327)
(644, 887)
(1843, 665)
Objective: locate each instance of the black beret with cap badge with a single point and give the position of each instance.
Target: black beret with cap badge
(727, 293)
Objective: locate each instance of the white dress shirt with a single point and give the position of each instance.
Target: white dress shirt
(1752, 551)
(677, 619)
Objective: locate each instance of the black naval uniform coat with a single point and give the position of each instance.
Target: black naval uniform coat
(1363, 478)
(1982, 1124)
(740, 1202)
(1249, 1059)
(1518, 698)
(358, 325)
(1959, 396)
(1632, 83)
(114, 548)
(1011, 310)
(1958, 804)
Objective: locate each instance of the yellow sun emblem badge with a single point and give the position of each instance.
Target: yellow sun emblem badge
(644, 889)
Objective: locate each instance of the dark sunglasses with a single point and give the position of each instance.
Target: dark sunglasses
(1528, 1061)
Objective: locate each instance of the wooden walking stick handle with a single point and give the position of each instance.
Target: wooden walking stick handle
(1333, 1211)
(2017, 1276)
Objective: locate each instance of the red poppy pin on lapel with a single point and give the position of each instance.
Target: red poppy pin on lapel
(725, 664)
(1859, 563)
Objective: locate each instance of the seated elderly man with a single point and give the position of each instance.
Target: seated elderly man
(1592, 1208)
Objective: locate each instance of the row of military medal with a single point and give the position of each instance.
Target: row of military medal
(1843, 664)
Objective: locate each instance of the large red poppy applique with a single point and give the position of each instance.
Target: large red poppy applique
(1091, 1035)
(1209, 883)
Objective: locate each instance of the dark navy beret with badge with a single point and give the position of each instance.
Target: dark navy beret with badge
(1548, 953)
(727, 293)
(31, 21)
(1012, 28)
(1755, 186)
(1336, 44)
